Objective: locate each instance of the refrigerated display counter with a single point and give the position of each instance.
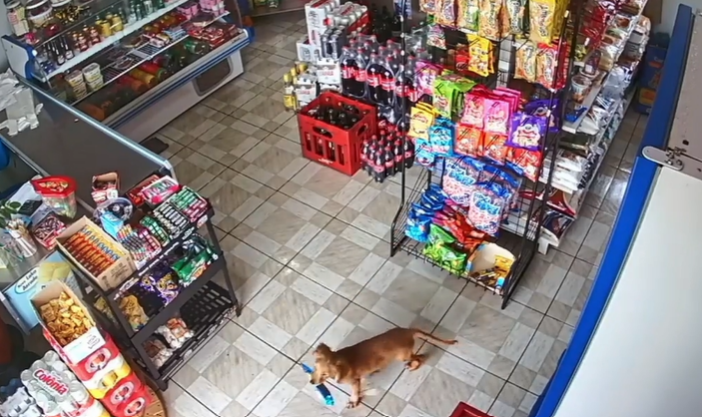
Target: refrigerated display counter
(133, 65)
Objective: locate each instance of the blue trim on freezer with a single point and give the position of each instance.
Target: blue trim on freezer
(204, 67)
(642, 177)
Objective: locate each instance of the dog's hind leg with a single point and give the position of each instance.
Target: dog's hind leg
(415, 362)
(355, 398)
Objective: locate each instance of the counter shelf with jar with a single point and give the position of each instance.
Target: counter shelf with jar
(113, 60)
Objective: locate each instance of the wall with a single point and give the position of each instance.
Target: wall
(670, 10)
(643, 360)
(4, 30)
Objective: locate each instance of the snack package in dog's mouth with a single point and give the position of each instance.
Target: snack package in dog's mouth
(321, 388)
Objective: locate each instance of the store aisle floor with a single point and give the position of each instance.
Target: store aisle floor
(309, 254)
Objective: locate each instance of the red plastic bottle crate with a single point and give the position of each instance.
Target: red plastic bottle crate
(464, 410)
(331, 145)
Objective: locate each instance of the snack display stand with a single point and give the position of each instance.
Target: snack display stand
(135, 65)
(496, 117)
(116, 262)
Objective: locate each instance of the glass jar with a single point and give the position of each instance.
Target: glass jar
(17, 16)
(39, 12)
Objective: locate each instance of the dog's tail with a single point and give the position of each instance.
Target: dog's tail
(421, 334)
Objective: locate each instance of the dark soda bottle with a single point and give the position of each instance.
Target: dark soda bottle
(389, 162)
(387, 83)
(379, 166)
(399, 156)
(349, 66)
(373, 73)
(409, 153)
(364, 154)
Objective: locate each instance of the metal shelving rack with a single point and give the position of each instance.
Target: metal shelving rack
(521, 232)
(204, 305)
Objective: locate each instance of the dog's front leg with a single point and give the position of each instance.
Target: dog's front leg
(355, 394)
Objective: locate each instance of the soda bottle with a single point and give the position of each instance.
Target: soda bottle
(373, 73)
(389, 162)
(379, 166)
(399, 156)
(370, 157)
(364, 154)
(387, 82)
(409, 153)
(362, 59)
(349, 66)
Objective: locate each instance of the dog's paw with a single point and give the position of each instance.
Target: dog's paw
(352, 403)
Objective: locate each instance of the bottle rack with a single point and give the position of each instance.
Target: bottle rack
(204, 305)
(520, 233)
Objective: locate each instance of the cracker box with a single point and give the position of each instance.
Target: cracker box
(116, 273)
(59, 305)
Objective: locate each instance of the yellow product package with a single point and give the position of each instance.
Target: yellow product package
(525, 62)
(480, 55)
(541, 20)
(422, 117)
(489, 21)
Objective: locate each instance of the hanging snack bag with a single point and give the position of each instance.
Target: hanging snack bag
(441, 137)
(426, 73)
(428, 6)
(473, 110)
(417, 226)
(495, 148)
(497, 116)
(525, 62)
(440, 250)
(527, 131)
(547, 109)
(515, 16)
(468, 140)
(489, 21)
(480, 55)
(436, 37)
(449, 90)
(546, 67)
(468, 14)
(541, 20)
(486, 207)
(460, 176)
(525, 162)
(59, 193)
(446, 13)
(423, 154)
(421, 119)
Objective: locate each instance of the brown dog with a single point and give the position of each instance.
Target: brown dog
(353, 363)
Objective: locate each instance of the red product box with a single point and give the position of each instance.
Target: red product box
(135, 405)
(464, 410)
(125, 390)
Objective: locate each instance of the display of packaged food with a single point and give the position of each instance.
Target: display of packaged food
(59, 193)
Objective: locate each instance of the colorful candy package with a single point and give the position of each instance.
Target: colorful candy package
(468, 140)
(494, 147)
(497, 116)
(480, 55)
(441, 137)
(460, 176)
(436, 37)
(428, 6)
(426, 73)
(541, 108)
(527, 131)
(440, 250)
(546, 62)
(515, 16)
(473, 110)
(525, 162)
(487, 204)
(417, 227)
(421, 119)
(468, 14)
(423, 154)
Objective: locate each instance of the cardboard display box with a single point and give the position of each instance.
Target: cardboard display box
(116, 273)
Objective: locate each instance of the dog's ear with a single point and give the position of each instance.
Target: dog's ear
(323, 351)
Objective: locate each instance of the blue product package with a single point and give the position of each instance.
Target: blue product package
(323, 390)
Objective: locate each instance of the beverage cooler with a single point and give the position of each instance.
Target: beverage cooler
(133, 65)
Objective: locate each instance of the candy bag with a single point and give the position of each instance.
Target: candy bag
(468, 140)
(474, 110)
(440, 251)
(441, 137)
(417, 228)
(421, 119)
(446, 13)
(515, 16)
(458, 180)
(426, 73)
(546, 62)
(449, 90)
(527, 131)
(525, 162)
(494, 147)
(525, 62)
(480, 55)
(487, 204)
(436, 37)
(541, 20)
(541, 108)
(423, 154)
(489, 21)
(497, 115)
(468, 14)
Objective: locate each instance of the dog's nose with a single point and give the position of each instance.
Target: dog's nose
(312, 382)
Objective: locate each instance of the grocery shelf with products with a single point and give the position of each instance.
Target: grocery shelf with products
(115, 60)
(502, 112)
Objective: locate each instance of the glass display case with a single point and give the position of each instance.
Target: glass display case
(114, 59)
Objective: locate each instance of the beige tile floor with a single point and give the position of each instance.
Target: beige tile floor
(309, 254)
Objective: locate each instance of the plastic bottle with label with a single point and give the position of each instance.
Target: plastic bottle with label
(374, 70)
